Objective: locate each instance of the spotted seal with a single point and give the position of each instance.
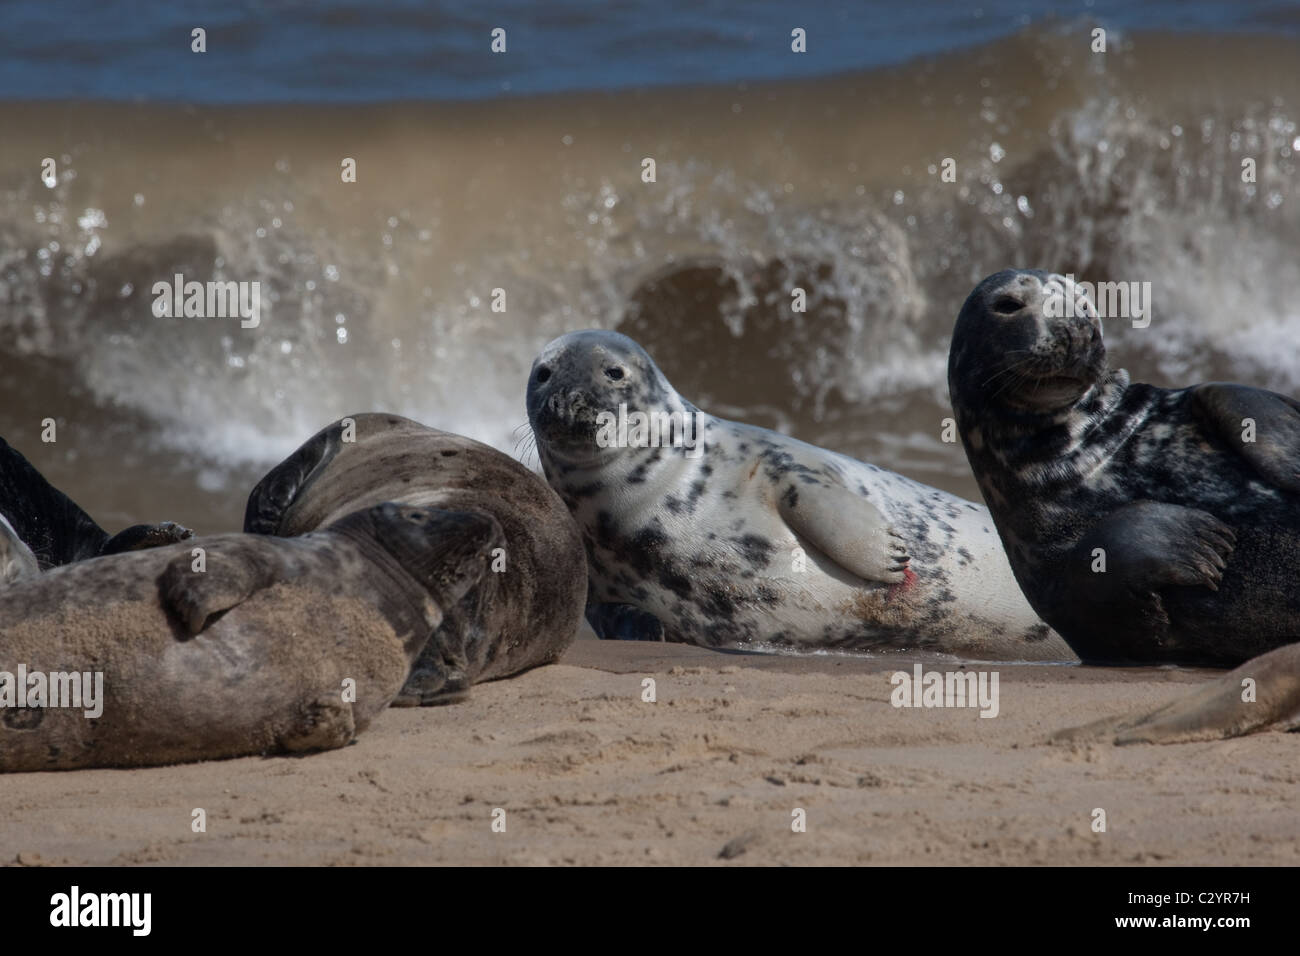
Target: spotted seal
(252, 645)
(1145, 524)
(53, 529)
(522, 614)
(759, 539)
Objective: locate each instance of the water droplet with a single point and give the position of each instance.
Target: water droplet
(342, 335)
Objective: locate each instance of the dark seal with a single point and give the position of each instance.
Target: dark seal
(1144, 524)
(53, 529)
(527, 608)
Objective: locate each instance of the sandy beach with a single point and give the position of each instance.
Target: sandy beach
(710, 773)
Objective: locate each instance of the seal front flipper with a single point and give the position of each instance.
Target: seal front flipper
(1121, 565)
(194, 597)
(440, 675)
(848, 529)
(1271, 421)
(1262, 693)
(624, 622)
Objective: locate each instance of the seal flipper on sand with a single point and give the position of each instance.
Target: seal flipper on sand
(196, 597)
(440, 675)
(1275, 450)
(1214, 711)
(848, 529)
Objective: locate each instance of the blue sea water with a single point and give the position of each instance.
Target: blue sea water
(352, 51)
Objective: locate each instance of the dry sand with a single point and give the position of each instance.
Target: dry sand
(588, 773)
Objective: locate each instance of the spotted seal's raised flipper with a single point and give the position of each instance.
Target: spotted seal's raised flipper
(1271, 420)
(55, 529)
(848, 529)
(16, 559)
(1263, 693)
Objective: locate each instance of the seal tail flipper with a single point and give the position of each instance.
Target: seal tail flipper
(196, 596)
(1264, 692)
(848, 529)
(272, 497)
(16, 559)
(50, 523)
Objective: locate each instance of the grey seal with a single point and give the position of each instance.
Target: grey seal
(730, 535)
(256, 645)
(522, 614)
(1145, 524)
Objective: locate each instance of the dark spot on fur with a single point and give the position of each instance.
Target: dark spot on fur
(756, 549)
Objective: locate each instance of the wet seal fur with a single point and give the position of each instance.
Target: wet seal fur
(521, 617)
(42, 528)
(704, 549)
(1200, 530)
(247, 656)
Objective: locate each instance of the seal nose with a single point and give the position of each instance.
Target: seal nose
(567, 404)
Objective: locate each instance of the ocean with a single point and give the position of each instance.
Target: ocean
(522, 172)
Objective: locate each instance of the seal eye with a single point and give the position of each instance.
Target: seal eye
(1007, 305)
(613, 373)
(543, 374)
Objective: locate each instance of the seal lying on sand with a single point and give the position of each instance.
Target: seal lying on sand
(1263, 693)
(259, 645)
(523, 613)
(1145, 524)
(742, 536)
(51, 526)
